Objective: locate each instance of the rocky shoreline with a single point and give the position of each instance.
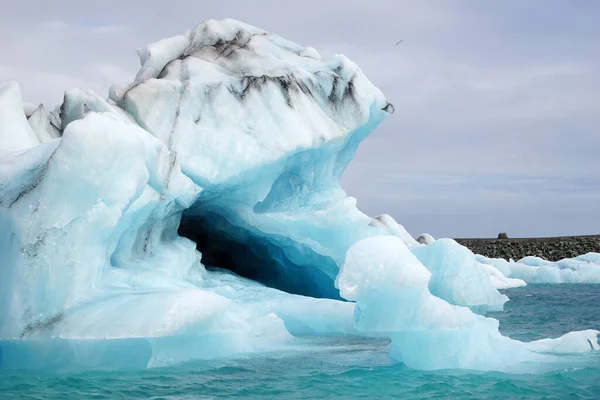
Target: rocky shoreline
(552, 248)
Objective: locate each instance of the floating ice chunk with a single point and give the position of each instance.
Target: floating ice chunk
(390, 287)
(499, 281)
(15, 132)
(457, 277)
(497, 277)
(593, 258)
(534, 261)
(582, 269)
(572, 342)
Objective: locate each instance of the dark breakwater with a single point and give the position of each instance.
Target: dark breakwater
(551, 248)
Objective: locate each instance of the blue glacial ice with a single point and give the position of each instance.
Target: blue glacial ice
(509, 273)
(391, 288)
(120, 217)
(581, 269)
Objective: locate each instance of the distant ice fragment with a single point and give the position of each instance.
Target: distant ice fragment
(582, 269)
(457, 277)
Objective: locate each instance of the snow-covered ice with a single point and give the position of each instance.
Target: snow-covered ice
(582, 269)
(457, 277)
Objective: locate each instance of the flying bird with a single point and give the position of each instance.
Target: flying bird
(400, 41)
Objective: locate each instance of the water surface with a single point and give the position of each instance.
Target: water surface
(350, 368)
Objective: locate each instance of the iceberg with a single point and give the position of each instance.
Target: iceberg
(197, 212)
(238, 133)
(392, 292)
(510, 274)
(458, 278)
(581, 269)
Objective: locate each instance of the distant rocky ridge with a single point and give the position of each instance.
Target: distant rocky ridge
(551, 249)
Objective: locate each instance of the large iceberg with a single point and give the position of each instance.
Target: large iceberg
(120, 217)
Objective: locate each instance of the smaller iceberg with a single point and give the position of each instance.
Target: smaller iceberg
(457, 276)
(391, 290)
(510, 274)
(581, 269)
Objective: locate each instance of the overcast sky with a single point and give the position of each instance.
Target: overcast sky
(497, 123)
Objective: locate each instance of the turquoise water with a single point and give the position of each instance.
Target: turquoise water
(350, 368)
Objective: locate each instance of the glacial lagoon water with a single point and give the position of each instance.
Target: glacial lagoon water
(347, 368)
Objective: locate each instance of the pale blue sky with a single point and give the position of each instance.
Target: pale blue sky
(497, 102)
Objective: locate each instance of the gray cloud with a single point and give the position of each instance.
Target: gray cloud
(497, 103)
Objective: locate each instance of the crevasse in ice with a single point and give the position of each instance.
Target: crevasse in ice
(231, 141)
